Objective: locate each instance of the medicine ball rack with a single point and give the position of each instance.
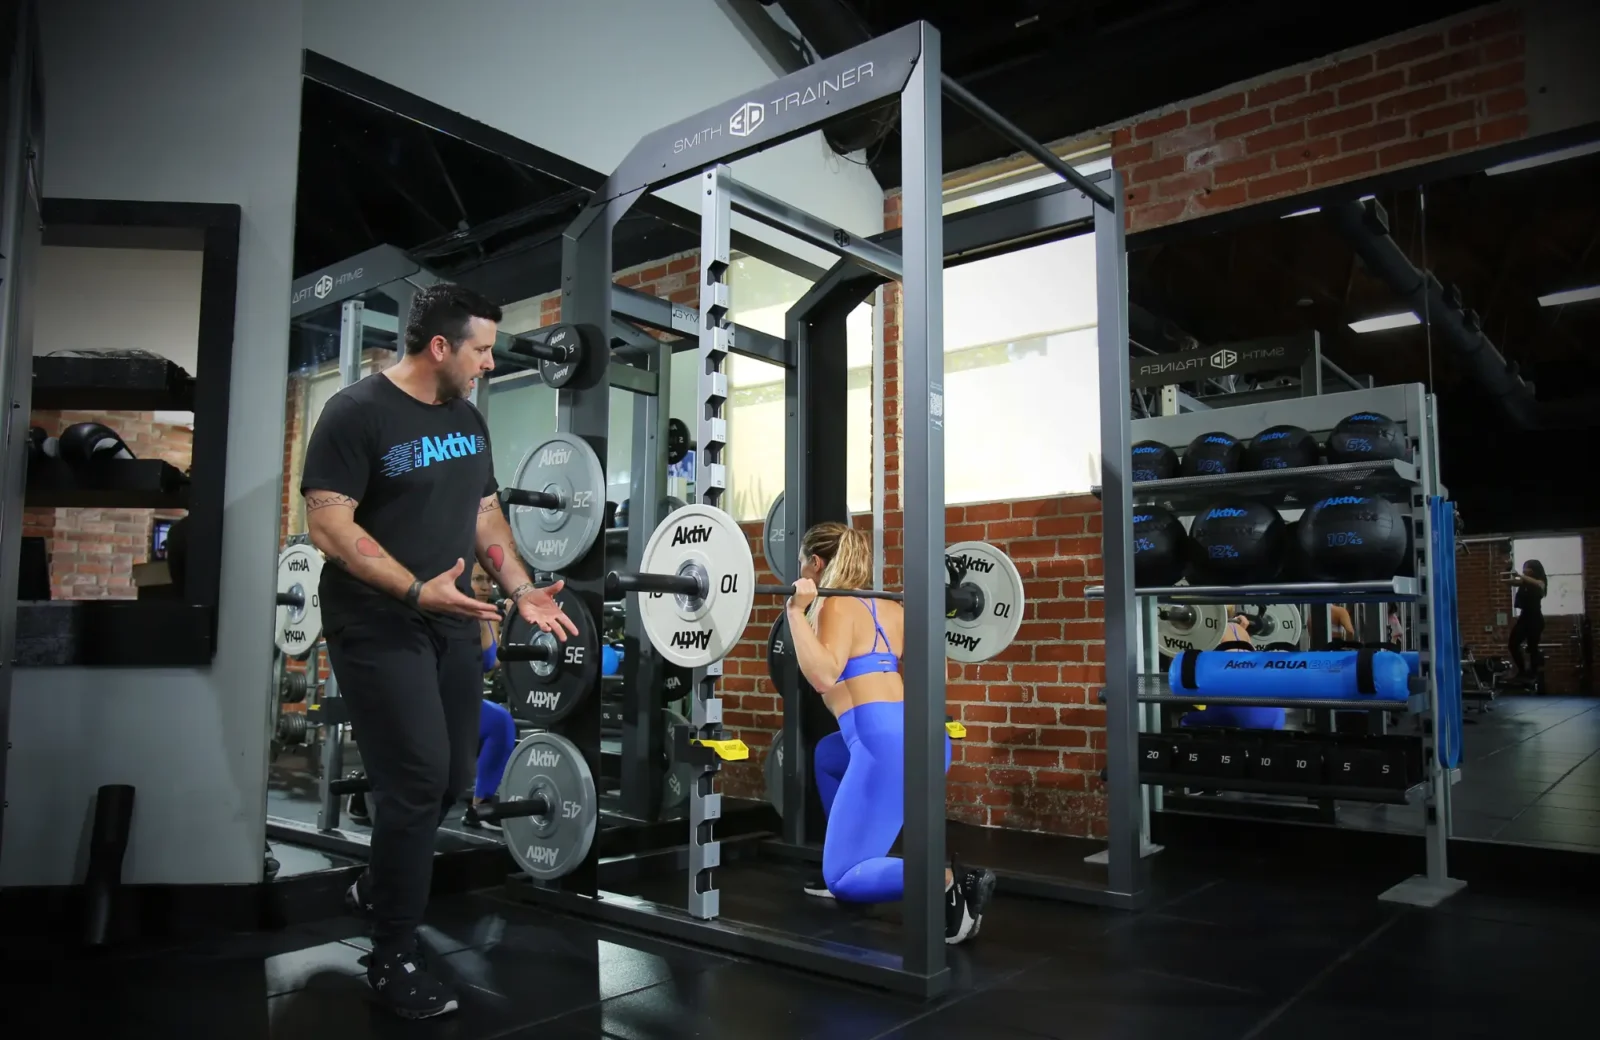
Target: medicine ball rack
(1416, 779)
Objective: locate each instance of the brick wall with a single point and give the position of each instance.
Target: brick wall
(1411, 98)
(1482, 597)
(93, 551)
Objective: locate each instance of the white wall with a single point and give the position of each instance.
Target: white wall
(196, 101)
(587, 80)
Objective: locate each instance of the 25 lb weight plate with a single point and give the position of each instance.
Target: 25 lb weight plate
(554, 843)
(299, 628)
(545, 692)
(564, 466)
(781, 560)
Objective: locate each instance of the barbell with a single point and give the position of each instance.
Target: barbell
(299, 609)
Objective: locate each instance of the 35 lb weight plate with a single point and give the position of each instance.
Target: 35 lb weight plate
(564, 466)
(299, 628)
(999, 605)
(554, 843)
(781, 559)
(779, 652)
(545, 692)
(707, 543)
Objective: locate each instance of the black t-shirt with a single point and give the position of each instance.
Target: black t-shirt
(417, 472)
(1529, 600)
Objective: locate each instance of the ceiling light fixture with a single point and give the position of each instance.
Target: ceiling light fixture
(1561, 299)
(1384, 322)
(1318, 209)
(1559, 155)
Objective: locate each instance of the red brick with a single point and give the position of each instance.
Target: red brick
(1036, 507)
(1240, 125)
(1367, 137)
(1001, 530)
(1342, 72)
(1184, 141)
(1222, 106)
(1343, 119)
(1059, 651)
(1080, 546)
(1445, 65)
(1279, 184)
(1443, 116)
(1302, 107)
(1124, 158)
(1061, 525)
(1410, 50)
(1414, 151)
(964, 692)
(1411, 101)
(1482, 29)
(1031, 549)
(1156, 169)
(1089, 717)
(1036, 758)
(684, 263)
(1513, 74)
(1031, 673)
(1160, 125)
(1062, 781)
(1183, 186)
(1038, 631)
(1243, 169)
(1506, 128)
(1311, 151)
(1122, 136)
(1157, 214)
(1061, 694)
(1277, 137)
(1219, 198)
(1225, 151)
(1371, 87)
(1505, 101)
(1011, 694)
(1277, 91)
(1033, 716)
(988, 511)
(1505, 48)
(1064, 738)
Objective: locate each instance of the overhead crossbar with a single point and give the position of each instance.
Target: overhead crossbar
(836, 240)
(1011, 132)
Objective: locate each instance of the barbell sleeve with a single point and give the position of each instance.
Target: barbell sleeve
(666, 584)
(533, 805)
(560, 353)
(291, 599)
(524, 497)
(526, 652)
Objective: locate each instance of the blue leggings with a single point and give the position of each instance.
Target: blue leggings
(497, 735)
(833, 758)
(871, 801)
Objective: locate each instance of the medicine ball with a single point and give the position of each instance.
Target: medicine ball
(1296, 567)
(1354, 538)
(1212, 453)
(1367, 437)
(1160, 547)
(1237, 542)
(1153, 460)
(1282, 447)
(88, 443)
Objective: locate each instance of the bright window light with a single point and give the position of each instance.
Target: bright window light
(1317, 209)
(1559, 155)
(1561, 299)
(1386, 321)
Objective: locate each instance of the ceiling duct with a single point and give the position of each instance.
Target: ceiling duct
(828, 27)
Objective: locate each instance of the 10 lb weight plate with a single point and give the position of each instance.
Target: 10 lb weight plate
(564, 466)
(299, 628)
(781, 560)
(545, 692)
(706, 543)
(555, 843)
(1186, 627)
(998, 614)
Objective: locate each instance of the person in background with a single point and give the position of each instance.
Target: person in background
(1340, 626)
(497, 730)
(1531, 585)
(1396, 630)
(1235, 636)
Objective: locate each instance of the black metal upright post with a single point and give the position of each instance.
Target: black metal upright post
(643, 742)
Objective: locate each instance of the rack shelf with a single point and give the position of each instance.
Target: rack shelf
(91, 384)
(1383, 795)
(1393, 590)
(119, 484)
(1289, 488)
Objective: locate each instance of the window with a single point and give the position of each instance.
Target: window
(1562, 559)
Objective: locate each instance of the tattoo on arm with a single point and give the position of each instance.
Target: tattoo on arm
(497, 557)
(369, 548)
(323, 499)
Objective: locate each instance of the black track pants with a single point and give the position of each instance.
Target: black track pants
(412, 688)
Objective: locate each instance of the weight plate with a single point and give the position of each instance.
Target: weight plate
(679, 780)
(774, 545)
(295, 687)
(671, 504)
(555, 843)
(299, 628)
(557, 374)
(772, 773)
(1000, 613)
(545, 692)
(554, 539)
(1191, 628)
(778, 654)
(1280, 623)
(677, 441)
(706, 542)
(674, 683)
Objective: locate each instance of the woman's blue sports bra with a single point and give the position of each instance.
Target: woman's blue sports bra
(491, 654)
(873, 660)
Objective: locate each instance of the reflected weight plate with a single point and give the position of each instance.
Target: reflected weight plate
(299, 628)
(679, 781)
(1191, 628)
(704, 542)
(545, 692)
(774, 545)
(554, 539)
(1000, 605)
(1280, 626)
(555, 843)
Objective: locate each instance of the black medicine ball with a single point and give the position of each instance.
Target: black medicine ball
(1212, 453)
(1367, 437)
(1153, 460)
(1281, 447)
(1354, 538)
(1160, 547)
(87, 443)
(1237, 542)
(1296, 566)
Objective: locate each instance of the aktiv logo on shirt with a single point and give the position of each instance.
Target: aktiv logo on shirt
(425, 451)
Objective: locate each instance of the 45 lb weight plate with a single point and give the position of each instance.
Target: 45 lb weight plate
(551, 844)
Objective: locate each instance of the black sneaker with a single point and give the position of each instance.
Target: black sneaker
(964, 904)
(358, 897)
(356, 809)
(470, 818)
(818, 887)
(401, 980)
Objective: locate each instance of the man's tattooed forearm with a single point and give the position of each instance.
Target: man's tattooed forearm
(323, 499)
(497, 558)
(369, 548)
(337, 561)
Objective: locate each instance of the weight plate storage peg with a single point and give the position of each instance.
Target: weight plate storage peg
(299, 574)
(704, 543)
(564, 468)
(990, 623)
(547, 686)
(775, 545)
(554, 841)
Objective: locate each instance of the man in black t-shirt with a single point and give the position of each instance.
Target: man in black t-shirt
(1531, 585)
(400, 493)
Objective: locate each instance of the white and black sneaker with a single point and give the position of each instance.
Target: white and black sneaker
(401, 980)
(470, 818)
(965, 901)
(818, 887)
(358, 897)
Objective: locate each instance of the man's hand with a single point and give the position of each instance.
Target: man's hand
(539, 607)
(440, 595)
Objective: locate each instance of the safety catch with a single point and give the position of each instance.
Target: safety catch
(955, 729)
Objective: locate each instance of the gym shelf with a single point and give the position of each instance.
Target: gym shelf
(1156, 689)
(1393, 590)
(1285, 488)
(98, 384)
(1382, 795)
(127, 632)
(119, 484)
